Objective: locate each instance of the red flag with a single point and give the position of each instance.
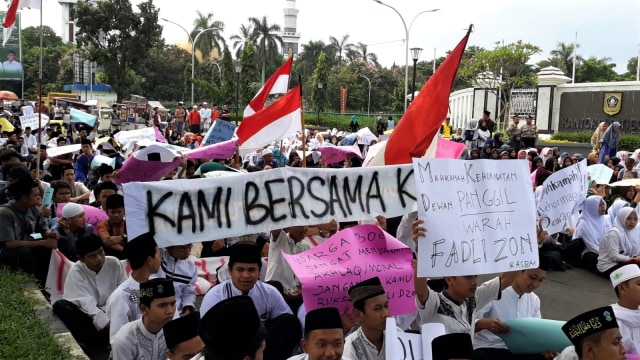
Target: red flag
(10, 16)
(278, 83)
(280, 119)
(419, 125)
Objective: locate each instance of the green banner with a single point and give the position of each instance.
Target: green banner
(11, 71)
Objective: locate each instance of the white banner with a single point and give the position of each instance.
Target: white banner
(479, 215)
(405, 346)
(186, 211)
(32, 121)
(124, 137)
(61, 150)
(562, 196)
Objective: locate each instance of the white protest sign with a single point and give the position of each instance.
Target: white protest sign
(27, 110)
(33, 121)
(125, 137)
(600, 173)
(479, 216)
(61, 150)
(399, 345)
(365, 136)
(186, 211)
(562, 196)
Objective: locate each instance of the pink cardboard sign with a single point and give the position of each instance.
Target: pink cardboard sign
(142, 170)
(351, 256)
(159, 136)
(334, 154)
(448, 149)
(221, 150)
(92, 215)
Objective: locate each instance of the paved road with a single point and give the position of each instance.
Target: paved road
(566, 294)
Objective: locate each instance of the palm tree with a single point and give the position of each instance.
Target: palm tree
(340, 45)
(266, 37)
(211, 39)
(564, 52)
(239, 40)
(360, 52)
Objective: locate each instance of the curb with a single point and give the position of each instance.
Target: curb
(44, 311)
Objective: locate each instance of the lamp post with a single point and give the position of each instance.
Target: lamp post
(369, 101)
(319, 99)
(193, 51)
(415, 55)
(219, 71)
(406, 45)
(238, 70)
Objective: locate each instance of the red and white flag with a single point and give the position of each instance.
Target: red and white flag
(419, 125)
(10, 17)
(280, 119)
(278, 83)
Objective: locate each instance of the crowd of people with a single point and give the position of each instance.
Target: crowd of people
(256, 311)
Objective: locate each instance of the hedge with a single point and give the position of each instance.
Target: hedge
(628, 142)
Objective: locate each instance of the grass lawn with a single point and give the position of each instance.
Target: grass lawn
(22, 334)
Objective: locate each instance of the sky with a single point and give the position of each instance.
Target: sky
(605, 29)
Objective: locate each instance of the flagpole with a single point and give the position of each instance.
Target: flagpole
(304, 135)
(39, 98)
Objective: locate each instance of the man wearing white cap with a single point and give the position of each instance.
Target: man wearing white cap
(266, 159)
(626, 282)
(205, 117)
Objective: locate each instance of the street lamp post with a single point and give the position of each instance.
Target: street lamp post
(415, 55)
(319, 99)
(406, 45)
(238, 70)
(369, 101)
(193, 51)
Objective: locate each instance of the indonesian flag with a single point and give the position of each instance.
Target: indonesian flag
(10, 17)
(278, 83)
(280, 119)
(418, 127)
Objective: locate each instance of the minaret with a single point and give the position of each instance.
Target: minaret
(290, 36)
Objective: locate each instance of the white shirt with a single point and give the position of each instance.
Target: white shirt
(205, 114)
(134, 342)
(89, 290)
(629, 325)
(184, 276)
(510, 306)
(268, 301)
(12, 66)
(357, 346)
(30, 141)
(457, 318)
(611, 252)
(405, 230)
(278, 268)
(123, 306)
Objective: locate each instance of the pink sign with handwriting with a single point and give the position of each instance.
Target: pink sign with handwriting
(448, 149)
(353, 255)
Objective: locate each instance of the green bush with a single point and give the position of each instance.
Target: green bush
(628, 142)
(22, 334)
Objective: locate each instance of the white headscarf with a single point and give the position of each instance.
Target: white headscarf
(614, 209)
(629, 239)
(592, 226)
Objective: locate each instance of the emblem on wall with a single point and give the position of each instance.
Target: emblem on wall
(612, 103)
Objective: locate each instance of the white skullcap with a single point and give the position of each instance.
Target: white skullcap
(624, 273)
(267, 152)
(71, 209)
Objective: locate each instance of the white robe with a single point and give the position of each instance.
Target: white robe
(306, 357)
(268, 301)
(278, 268)
(123, 306)
(89, 290)
(629, 325)
(134, 342)
(357, 346)
(510, 306)
(184, 274)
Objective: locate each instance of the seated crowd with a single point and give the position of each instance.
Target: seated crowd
(255, 311)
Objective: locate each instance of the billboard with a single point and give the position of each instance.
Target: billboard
(11, 71)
